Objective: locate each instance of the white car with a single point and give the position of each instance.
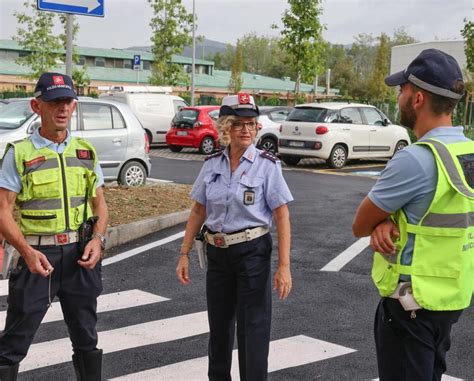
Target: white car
(337, 132)
(270, 120)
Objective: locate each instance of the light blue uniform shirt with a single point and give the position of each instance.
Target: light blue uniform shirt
(9, 176)
(409, 181)
(257, 178)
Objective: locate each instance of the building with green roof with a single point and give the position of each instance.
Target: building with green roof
(114, 67)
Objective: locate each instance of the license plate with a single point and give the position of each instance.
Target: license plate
(296, 144)
(182, 133)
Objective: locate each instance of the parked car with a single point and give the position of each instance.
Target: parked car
(270, 120)
(2, 103)
(194, 126)
(121, 142)
(337, 132)
(153, 110)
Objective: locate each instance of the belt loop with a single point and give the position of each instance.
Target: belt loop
(39, 242)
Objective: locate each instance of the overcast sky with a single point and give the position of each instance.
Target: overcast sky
(126, 21)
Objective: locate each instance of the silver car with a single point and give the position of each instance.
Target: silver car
(120, 140)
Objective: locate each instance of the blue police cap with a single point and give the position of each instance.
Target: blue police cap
(433, 71)
(51, 86)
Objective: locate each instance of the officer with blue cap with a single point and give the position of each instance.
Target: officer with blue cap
(237, 194)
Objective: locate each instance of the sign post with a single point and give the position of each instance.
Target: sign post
(137, 65)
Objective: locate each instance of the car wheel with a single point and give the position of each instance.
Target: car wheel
(291, 160)
(133, 174)
(269, 144)
(338, 157)
(207, 146)
(175, 148)
(400, 145)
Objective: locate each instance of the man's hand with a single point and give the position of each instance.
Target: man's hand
(182, 270)
(282, 281)
(37, 263)
(92, 254)
(381, 239)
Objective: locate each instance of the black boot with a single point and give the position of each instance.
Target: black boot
(88, 365)
(9, 372)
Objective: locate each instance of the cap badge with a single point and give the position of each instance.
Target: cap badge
(58, 80)
(244, 99)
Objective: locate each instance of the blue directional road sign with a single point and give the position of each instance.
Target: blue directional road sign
(136, 62)
(79, 7)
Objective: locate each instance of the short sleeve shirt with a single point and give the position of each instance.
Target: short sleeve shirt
(9, 176)
(409, 180)
(242, 199)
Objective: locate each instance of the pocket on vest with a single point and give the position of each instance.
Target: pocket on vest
(45, 184)
(384, 275)
(38, 222)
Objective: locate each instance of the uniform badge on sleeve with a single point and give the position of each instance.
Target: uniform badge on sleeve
(84, 154)
(249, 197)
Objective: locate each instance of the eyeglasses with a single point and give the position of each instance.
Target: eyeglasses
(238, 126)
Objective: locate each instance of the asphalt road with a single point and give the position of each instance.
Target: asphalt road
(325, 325)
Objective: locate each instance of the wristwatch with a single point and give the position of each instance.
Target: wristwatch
(103, 239)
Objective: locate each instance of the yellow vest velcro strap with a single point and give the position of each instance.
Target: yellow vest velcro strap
(47, 164)
(75, 162)
(435, 231)
(39, 204)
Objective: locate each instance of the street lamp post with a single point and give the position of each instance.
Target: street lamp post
(193, 66)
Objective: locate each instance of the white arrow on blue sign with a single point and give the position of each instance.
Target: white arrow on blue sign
(79, 7)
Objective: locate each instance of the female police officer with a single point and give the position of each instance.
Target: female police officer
(236, 193)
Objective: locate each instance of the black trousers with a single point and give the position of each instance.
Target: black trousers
(77, 289)
(238, 287)
(412, 349)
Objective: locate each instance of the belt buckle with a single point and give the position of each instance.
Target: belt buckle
(61, 239)
(219, 241)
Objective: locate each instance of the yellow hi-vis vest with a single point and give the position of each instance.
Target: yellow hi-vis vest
(52, 198)
(442, 268)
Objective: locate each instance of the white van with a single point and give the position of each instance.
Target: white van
(153, 110)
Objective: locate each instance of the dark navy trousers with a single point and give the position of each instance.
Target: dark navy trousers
(238, 288)
(412, 349)
(77, 289)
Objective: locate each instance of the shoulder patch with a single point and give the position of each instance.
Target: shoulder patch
(216, 154)
(269, 156)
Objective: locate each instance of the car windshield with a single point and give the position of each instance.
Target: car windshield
(14, 114)
(307, 114)
(186, 117)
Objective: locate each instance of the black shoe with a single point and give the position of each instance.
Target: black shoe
(9, 372)
(88, 365)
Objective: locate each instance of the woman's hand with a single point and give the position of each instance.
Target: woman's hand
(182, 270)
(282, 281)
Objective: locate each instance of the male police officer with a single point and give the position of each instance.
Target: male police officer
(425, 276)
(52, 177)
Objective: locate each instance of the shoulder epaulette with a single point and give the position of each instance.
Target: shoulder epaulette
(216, 154)
(269, 156)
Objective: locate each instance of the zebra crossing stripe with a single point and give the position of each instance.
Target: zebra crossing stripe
(105, 303)
(284, 353)
(444, 377)
(158, 331)
(347, 255)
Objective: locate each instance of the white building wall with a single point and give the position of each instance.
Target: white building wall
(402, 55)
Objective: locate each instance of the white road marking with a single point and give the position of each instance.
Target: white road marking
(3, 287)
(159, 331)
(105, 303)
(141, 249)
(284, 353)
(347, 255)
(444, 377)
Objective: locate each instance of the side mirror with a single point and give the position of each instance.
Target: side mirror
(385, 122)
(33, 126)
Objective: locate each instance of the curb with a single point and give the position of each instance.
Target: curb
(121, 234)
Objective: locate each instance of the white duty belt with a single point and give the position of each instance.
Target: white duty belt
(52, 240)
(223, 240)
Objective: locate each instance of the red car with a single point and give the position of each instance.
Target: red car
(194, 126)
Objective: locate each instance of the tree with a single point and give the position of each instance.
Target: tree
(36, 37)
(235, 81)
(378, 90)
(302, 39)
(81, 79)
(171, 26)
(468, 33)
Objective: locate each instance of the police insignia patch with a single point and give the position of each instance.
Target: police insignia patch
(84, 154)
(269, 156)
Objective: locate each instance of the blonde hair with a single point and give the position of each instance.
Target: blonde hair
(223, 128)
